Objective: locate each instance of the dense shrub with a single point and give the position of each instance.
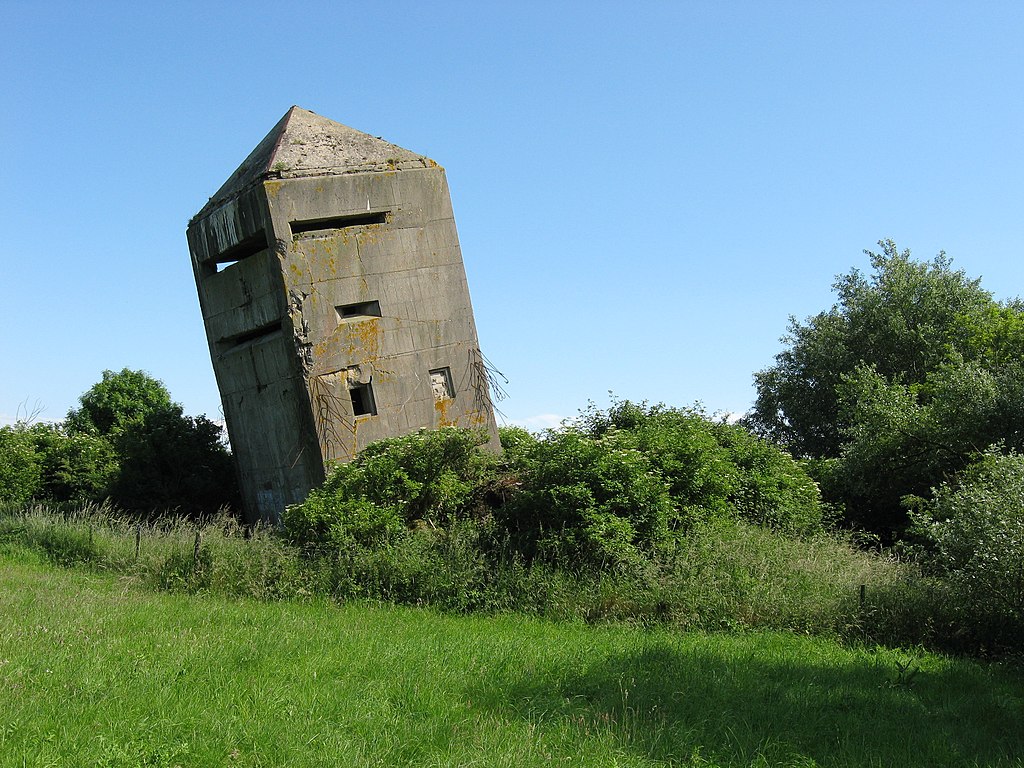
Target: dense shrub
(770, 488)
(590, 502)
(611, 490)
(714, 470)
(683, 449)
(516, 442)
(972, 535)
(20, 470)
(77, 467)
(424, 479)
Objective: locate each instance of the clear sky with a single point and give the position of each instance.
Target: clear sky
(644, 191)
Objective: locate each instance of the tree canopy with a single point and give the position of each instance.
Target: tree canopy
(912, 373)
(116, 401)
(128, 443)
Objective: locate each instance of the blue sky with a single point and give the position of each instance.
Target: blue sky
(644, 192)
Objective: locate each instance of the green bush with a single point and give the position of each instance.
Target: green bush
(77, 467)
(681, 447)
(714, 471)
(609, 491)
(516, 442)
(425, 479)
(20, 470)
(589, 502)
(770, 488)
(973, 537)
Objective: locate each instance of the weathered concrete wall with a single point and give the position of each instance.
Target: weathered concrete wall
(345, 316)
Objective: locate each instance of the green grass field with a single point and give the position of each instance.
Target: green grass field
(96, 671)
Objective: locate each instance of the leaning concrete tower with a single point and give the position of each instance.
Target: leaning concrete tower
(336, 306)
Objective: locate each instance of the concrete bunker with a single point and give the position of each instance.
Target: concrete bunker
(336, 306)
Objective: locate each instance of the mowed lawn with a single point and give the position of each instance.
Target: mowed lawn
(95, 671)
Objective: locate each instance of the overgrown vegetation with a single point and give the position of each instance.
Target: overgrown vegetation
(721, 576)
(609, 493)
(127, 443)
(903, 383)
(903, 404)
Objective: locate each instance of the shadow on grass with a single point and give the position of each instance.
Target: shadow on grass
(777, 700)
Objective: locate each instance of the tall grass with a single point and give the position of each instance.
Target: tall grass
(169, 553)
(723, 577)
(96, 674)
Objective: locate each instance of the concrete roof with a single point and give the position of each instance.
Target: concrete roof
(305, 144)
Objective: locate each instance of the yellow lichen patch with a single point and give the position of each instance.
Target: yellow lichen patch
(442, 405)
(357, 340)
(368, 334)
(272, 186)
(369, 234)
(321, 348)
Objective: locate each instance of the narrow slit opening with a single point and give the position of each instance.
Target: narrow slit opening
(358, 310)
(320, 227)
(239, 252)
(248, 338)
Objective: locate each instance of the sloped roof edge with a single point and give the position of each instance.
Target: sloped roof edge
(303, 143)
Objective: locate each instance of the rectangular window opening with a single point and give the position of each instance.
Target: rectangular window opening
(358, 310)
(322, 227)
(441, 384)
(248, 338)
(236, 253)
(362, 400)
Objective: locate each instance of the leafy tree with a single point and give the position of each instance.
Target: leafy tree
(905, 321)
(116, 401)
(902, 440)
(169, 461)
(127, 442)
(898, 387)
